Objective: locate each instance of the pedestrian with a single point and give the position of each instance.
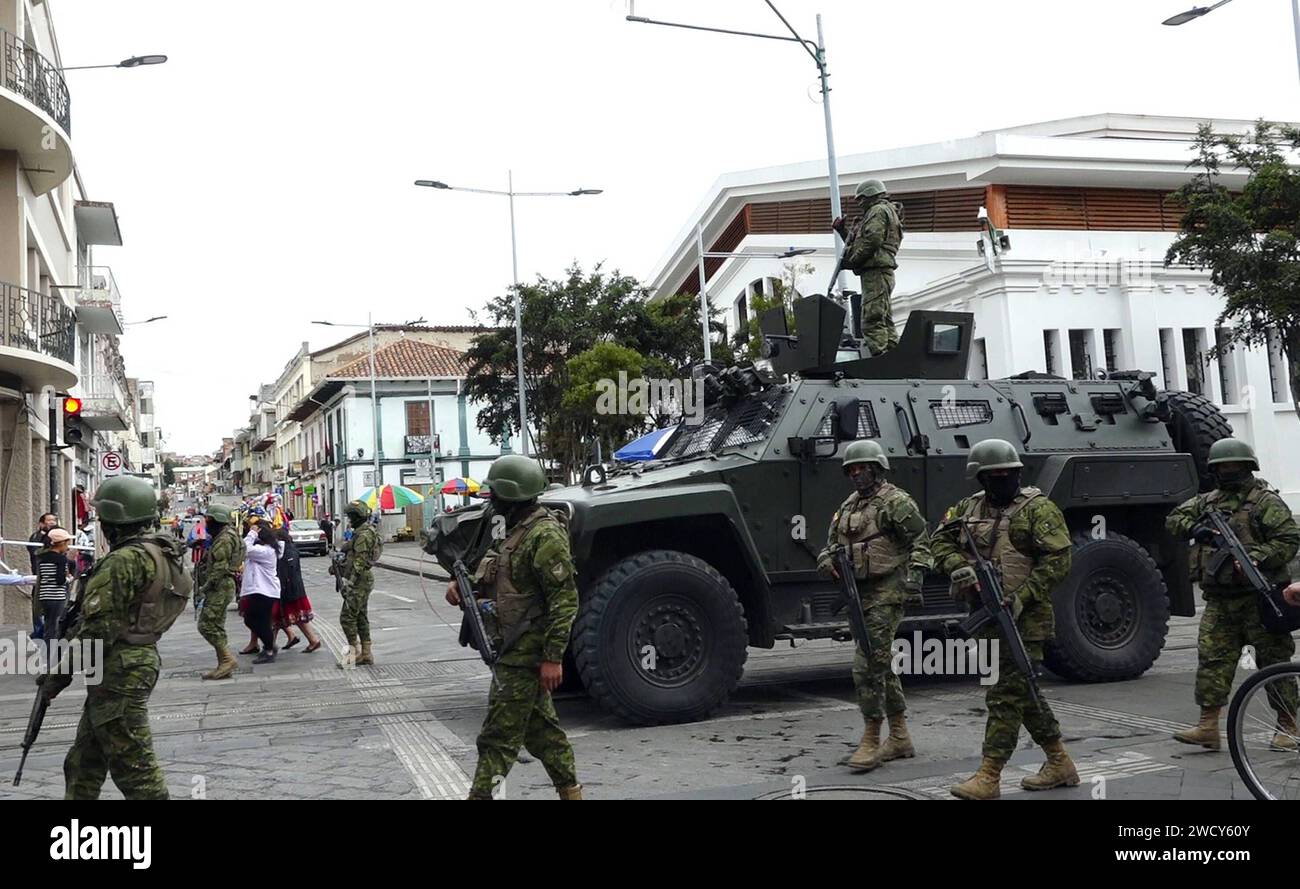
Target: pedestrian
(134, 596)
(359, 553)
(327, 527)
(39, 540)
(295, 608)
(529, 576)
(222, 559)
(85, 544)
(1024, 536)
(883, 531)
(870, 251)
(260, 590)
(1263, 523)
(52, 575)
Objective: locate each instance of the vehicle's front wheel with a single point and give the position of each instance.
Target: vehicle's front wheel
(660, 638)
(1112, 612)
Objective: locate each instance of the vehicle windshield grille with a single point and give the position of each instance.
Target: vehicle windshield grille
(948, 414)
(729, 426)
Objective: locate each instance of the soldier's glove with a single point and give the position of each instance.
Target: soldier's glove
(53, 683)
(1203, 534)
(1015, 605)
(825, 562)
(912, 582)
(964, 578)
(839, 226)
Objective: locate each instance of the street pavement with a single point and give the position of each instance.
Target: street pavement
(302, 728)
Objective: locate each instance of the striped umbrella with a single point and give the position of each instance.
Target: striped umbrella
(461, 486)
(390, 497)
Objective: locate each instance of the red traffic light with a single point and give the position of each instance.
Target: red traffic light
(71, 406)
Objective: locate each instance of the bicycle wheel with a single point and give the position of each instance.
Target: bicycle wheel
(1262, 735)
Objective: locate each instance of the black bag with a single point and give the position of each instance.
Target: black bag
(1289, 618)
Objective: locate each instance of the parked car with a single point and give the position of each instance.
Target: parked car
(307, 536)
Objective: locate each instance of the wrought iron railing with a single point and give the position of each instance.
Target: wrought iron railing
(29, 74)
(421, 444)
(37, 322)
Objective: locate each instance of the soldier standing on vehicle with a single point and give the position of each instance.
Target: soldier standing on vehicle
(360, 552)
(131, 597)
(870, 250)
(222, 559)
(884, 533)
(1262, 522)
(1024, 536)
(527, 582)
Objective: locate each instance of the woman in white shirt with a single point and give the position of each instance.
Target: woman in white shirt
(260, 588)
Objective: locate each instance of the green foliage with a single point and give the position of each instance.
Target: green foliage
(749, 342)
(585, 412)
(169, 477)
(1249, 240)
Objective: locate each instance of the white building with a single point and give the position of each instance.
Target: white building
(1083, 287)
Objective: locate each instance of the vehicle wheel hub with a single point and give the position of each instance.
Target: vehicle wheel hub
(1108, 611)
(669, 641)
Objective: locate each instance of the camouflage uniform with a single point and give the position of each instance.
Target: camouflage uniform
(530, 577)
(1030, 543)
(221, 562)
(882, 532)
(113, 736)
(872, 247)
(359, 554)
(1263, 523)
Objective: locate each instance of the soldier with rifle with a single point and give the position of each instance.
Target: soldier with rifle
(870, 249)
(878, 534)
(215, 580)
(1016, 539)
(528, 596)
(1262, 523)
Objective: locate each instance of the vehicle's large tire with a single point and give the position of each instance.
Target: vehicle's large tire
(1197, 423)
(1112, 612)
(689, 616)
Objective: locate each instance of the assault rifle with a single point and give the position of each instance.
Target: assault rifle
(473, 633)
(1276, 613)
(42, 703)
(993, 609)
(849, 585)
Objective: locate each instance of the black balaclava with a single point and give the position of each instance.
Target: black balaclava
(115, 534)
(868, 479)
(516, 510)
(356, 519)
(1232, 476)
(1001, 489)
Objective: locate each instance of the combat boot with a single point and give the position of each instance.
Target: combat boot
(986, 783)
(1205, 733)
(898, 745)
(867, 756)
(366, 657)
(212, 674)
(1058, 771)
(226, 665)
(1286, 737)
(573, 791)
(350, 657)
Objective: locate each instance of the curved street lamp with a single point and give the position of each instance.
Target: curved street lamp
(133, 62)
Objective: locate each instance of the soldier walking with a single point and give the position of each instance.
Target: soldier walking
(360, 552)
(1024, 535)
(1263, 523)
(216, 573)
(130, 598)
(884, 533)
(870, 251)
(526, 579)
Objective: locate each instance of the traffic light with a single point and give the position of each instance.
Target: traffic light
(72, 431)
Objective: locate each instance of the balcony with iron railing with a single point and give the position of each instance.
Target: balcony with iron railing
(104, 403)
(34, 113)
(419, 445)
(37, 344)
(99, 306)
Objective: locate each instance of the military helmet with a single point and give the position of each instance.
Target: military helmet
(125, 500)
(870, 188)
(357, 508)
(515, 477)
(1232, 450)
(865, 452)
(219, 513)
(992, 453)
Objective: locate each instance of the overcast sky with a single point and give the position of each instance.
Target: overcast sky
(263, 176)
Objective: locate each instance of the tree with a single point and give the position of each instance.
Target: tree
(587, 409)
(563, 319)
(1250, 241)
(169, 476)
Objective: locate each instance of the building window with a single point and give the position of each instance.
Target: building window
(1052, 351)
(1081, 354)
(1194, 359)
(742, 317)
(1229, 379)
(1278, 376)
(1111, 344)
(417, 418)
(1167, 358)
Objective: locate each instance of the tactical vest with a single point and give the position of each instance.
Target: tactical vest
(874, 553)
(1242, 522)
(351, 545)
(993, 538)
(495, 578)
(161, 603)
(205, 564)
(884, 257)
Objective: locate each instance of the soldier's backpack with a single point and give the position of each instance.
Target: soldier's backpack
(164, 600)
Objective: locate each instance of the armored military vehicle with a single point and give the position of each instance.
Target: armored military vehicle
(686, 560)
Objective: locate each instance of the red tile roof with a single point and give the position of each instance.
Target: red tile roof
(406, 359)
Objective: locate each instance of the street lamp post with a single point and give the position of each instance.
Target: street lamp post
(374, 398)
(703, 255)
(511, 194)
(818, 52)
(133, 62)
(1197, 11)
